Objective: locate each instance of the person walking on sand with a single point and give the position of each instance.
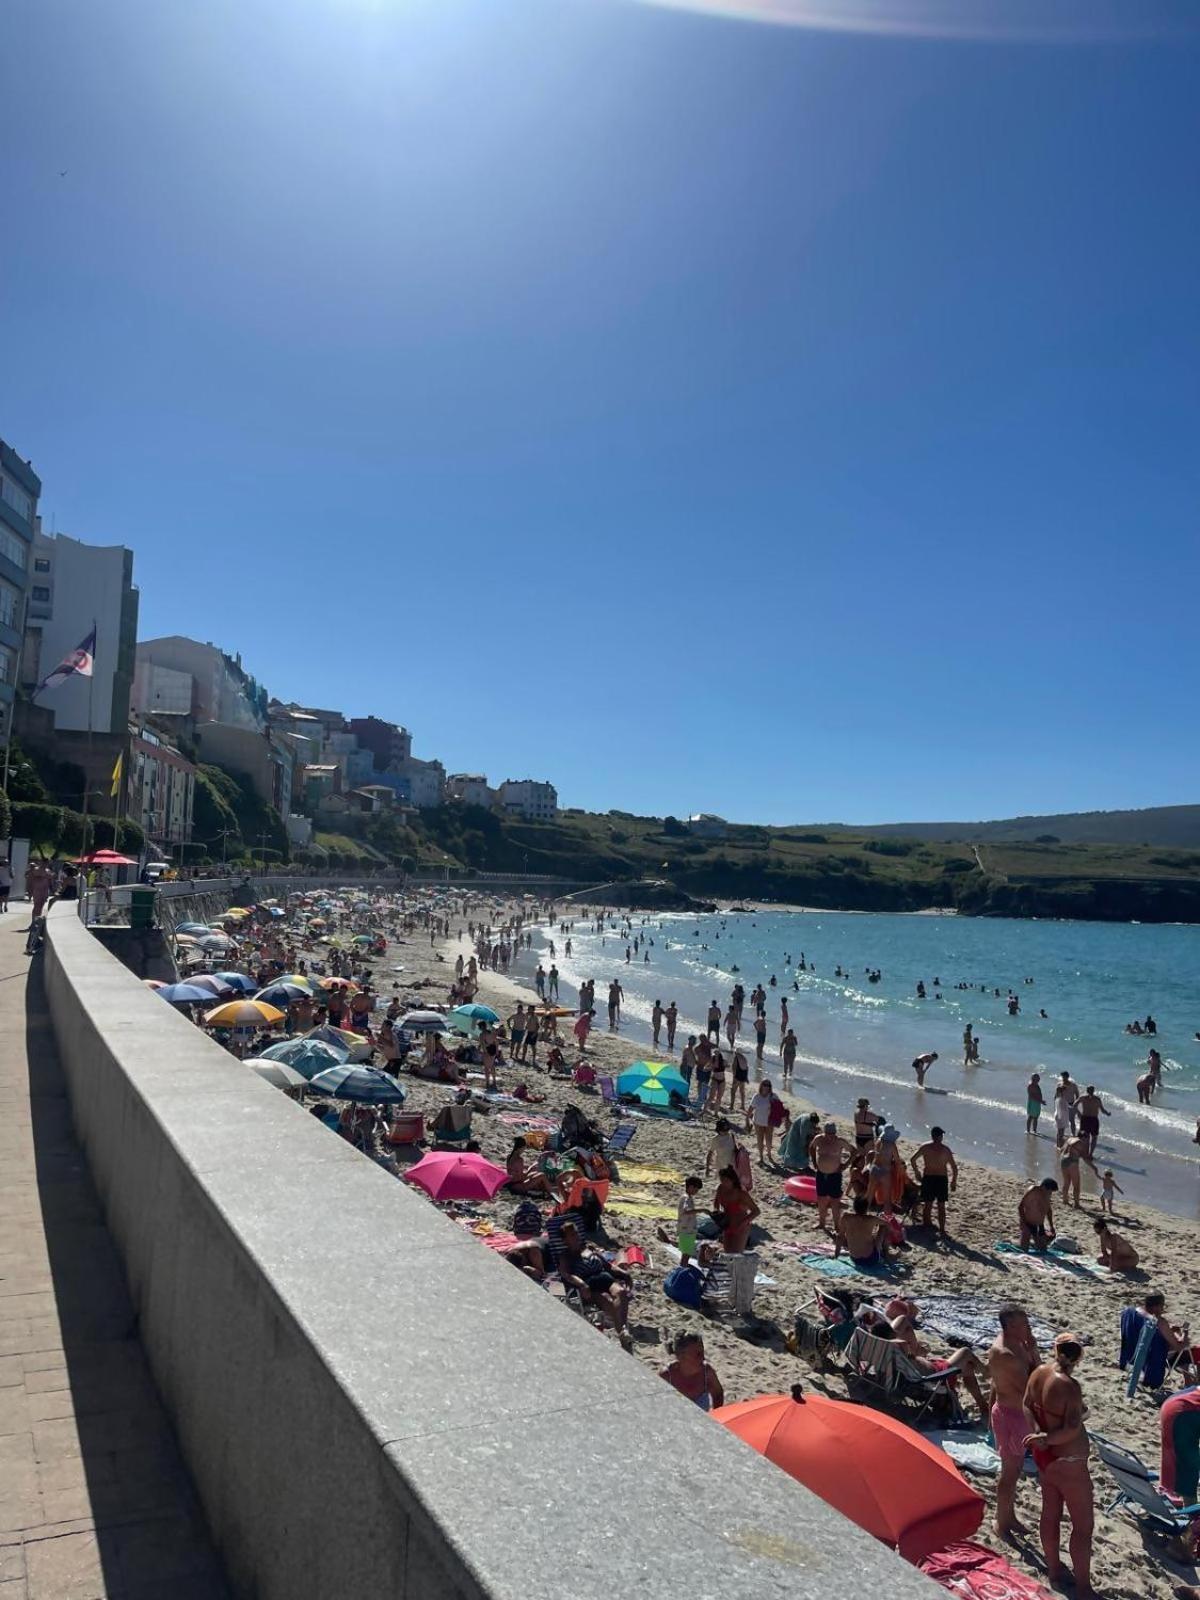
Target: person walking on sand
(731, 1027)
(936, 1170)
(1090, 1108)
(740, 1078)
(1010, 1360)
(1055, 1412)
(672, 1015)
(1034, 1102)
(783, 1019)
(830, 1156)
(922, 1065)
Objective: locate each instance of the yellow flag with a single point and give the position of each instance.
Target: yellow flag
(116, 775)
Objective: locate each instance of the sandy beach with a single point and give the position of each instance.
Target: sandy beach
(1073, 1295)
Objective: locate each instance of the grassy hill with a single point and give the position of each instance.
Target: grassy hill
(832, 867)
(1174, 826)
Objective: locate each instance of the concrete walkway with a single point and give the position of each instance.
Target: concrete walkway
(95, 1503)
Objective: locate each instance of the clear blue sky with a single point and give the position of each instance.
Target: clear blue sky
(790, 423)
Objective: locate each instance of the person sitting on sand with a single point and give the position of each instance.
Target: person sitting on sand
(1115, 1251)
(526, 1180)
(530, 1256)
(691, 1374)
(1035, 1212)
(904, 1317)
(862, 1236)
(597, 1282)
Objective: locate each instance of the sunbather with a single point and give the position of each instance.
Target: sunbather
(692, 1375)
(862, 1236)
(598, 1283)
(526, 1180)
(964, 1363)
(1115, 1251)
(530, 1256)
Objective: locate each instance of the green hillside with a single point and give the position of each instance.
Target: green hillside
(1175, 826)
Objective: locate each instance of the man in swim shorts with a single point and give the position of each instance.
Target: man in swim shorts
(830, 1156)
(1011, 1358)
(936, 1170)
(1035, 1213)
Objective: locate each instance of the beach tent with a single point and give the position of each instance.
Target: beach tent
(873, 1469)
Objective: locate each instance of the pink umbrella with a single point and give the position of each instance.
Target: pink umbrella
(457, 1175)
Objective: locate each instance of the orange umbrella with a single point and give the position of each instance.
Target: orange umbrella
(874, 1470)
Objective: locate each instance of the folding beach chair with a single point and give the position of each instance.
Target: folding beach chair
(881, 1369)
(822, 1327)
(1137, 1488)
(620, 1139)
(608, 1092)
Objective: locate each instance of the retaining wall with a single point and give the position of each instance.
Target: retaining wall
(369, 1401)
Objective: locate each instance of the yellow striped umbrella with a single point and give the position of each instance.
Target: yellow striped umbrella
(243, 1014)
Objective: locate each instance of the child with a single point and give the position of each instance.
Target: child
(686, 1219)
(1108, 1188)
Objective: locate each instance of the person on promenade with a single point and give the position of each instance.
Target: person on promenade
(1010, 1360)
(39, 880)
(691, 1374)
(1035, 1101)
(936, 1170)
(1035, 1213)
(1055, 1411)
(830, 1156)
(1089, 1108)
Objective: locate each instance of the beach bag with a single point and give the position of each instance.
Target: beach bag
(527, 1220)
(777, 1112)
(684, 1285)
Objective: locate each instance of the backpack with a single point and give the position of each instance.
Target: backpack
(527, 1220)
(684, 1286)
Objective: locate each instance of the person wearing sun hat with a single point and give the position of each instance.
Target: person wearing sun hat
(1055, 1410)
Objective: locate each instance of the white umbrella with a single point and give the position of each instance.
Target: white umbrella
(278, 1073)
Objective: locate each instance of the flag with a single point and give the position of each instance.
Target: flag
(118, 769)
(78, 663)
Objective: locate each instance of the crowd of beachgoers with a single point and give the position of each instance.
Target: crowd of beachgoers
(733, 1235)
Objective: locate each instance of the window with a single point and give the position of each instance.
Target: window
(6, 664)
(42, 564)
(8, 605)
(40, 592)
(13, 548)
(12, 494)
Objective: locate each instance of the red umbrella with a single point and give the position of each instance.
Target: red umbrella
(871, 1468)
(106, 858)
(457, 1175)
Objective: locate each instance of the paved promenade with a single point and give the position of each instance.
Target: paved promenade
(94, 1501)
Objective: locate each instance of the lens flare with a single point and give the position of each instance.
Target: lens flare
(1058, 21)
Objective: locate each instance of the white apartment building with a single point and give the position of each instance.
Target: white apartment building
(526, 797)
(469, 788)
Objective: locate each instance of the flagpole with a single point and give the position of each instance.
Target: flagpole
(88, 756)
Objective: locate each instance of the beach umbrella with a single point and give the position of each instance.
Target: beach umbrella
(106, 858)
(278, 1073)
(185, 994)
(282, 993)
(210, 981)
(191, 927)
(243, 1014)
(298, 978)
(465, 1019)
(214, 941)
(423, 1022)
(342, 1037)
(329, 984)
(154, 983)
(457, 1175)
(235, 980)
(876, 1471)
(305, 1056)
(653, 1082)
(368, 1085)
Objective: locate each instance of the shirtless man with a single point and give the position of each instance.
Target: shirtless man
(938, 1176)
(1011, 1358)
(1115, 1251)
(922, 1065)
(1090, 1108)
(672, 1016)
(862, 1236)
(1055, 1412)
(830, 1156)
(1036, 1215)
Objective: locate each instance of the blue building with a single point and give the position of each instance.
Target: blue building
(20, 487)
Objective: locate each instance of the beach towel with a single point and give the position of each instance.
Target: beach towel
(970, 1320)
(1050, 1259)
(487, 1233)
(973, 1453)
(637, 1192)
(973, 1572)
(516, 1119)
(641, 1208)
(831, 1266)
(646, 1172)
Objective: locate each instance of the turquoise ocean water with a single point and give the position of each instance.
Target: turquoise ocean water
(857, 1037)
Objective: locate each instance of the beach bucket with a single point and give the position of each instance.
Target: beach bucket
(803, 1187)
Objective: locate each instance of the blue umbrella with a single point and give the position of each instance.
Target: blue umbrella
(306, 1056)
(282, 994)
(366, 1084)
(466, 1019)
(185, 994)
(236, 980)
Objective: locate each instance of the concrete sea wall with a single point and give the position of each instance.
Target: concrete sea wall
(369, 1401)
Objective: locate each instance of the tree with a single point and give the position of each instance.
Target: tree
(42, 825)
(673, 828)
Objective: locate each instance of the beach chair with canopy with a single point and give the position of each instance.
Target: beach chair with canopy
(1137, 1489)
(881, 1369)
